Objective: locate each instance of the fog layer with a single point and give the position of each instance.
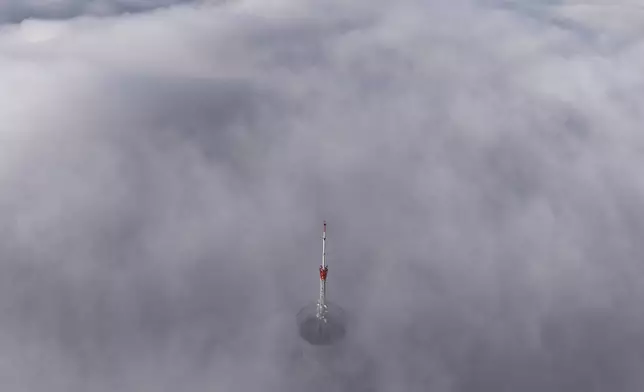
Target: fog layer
(164, 175)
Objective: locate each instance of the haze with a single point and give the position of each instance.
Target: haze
(165, 167)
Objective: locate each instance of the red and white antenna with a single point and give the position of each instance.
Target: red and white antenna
(324, 269)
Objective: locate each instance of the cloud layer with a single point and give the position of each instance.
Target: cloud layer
(164, 175)
(12, 11)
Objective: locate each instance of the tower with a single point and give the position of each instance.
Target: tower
(324, 269)
(323, 324)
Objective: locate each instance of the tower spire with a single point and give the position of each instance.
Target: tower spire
(324, 269)
(326, 324)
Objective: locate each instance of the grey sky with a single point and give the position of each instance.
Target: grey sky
(164, 175)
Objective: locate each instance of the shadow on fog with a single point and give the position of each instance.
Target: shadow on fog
(319, 333)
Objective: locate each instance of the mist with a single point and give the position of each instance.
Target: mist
(165, 168)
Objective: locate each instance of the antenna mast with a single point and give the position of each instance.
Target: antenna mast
(322, 306)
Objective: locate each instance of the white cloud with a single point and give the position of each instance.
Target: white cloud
(162, 175)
